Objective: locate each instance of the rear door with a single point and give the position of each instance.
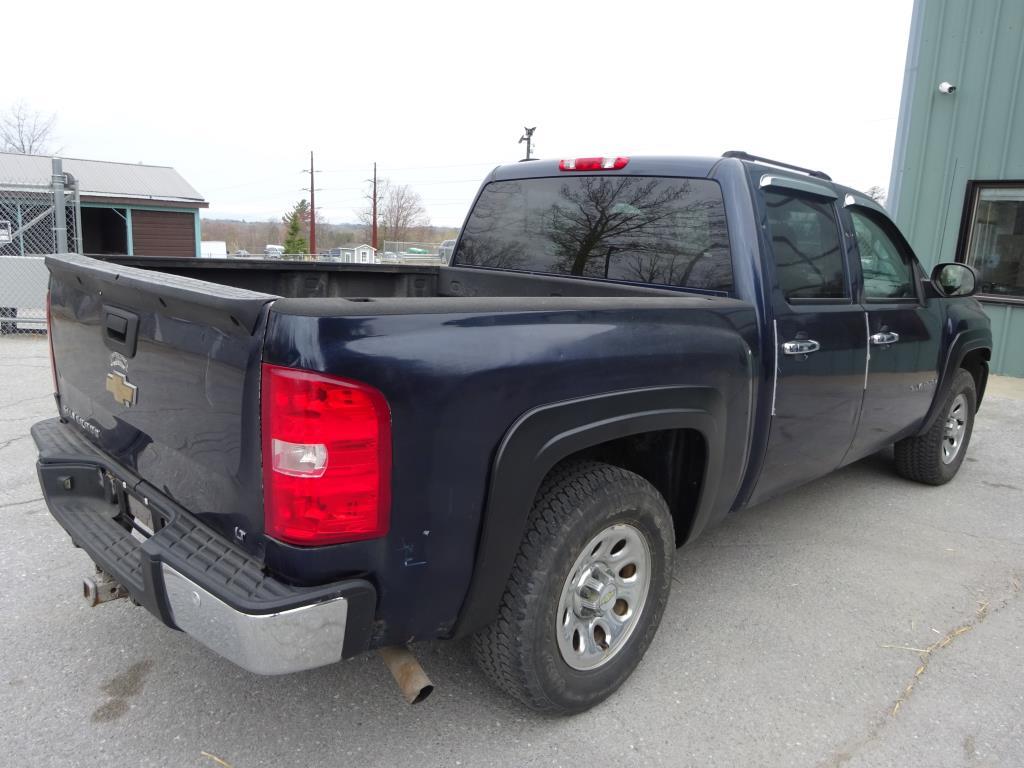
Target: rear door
(818, 333)
(162, 373)
(903, 332)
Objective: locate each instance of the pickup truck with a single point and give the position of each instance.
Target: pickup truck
(295, 463)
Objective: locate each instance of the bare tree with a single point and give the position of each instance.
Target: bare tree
(399, 210)
(26, 131)
(876, 193)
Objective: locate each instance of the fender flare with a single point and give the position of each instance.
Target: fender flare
(963, 343)
(544, 436)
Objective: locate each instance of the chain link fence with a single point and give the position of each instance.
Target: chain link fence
(38, 216)
(400, 252)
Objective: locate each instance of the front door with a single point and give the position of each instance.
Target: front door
(819, 337)
(903, 333)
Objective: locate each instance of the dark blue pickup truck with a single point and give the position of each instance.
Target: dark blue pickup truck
(298, 462)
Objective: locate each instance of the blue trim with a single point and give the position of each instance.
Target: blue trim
(199, 235)
(128, 230)
(167, 208)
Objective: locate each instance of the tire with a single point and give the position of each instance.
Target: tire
(935, 457)
(526, 651)
(6, 326)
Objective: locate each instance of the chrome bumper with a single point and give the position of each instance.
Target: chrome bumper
(267, 644)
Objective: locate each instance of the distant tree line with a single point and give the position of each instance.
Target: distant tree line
(401, 216)
(254, 236)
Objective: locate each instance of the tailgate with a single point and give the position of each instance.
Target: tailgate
(162, 373)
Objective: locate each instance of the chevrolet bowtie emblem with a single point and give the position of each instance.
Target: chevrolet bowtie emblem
(123, 391)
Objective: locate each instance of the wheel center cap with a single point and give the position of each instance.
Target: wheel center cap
(595, 591)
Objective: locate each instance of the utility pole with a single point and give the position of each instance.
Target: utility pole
(374, 226)
(312, 208)
(528, 138)
(312, 205)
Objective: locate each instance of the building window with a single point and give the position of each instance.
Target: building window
(995, 241)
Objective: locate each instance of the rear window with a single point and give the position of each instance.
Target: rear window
(644, 229)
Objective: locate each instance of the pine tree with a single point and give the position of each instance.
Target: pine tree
(294, 242)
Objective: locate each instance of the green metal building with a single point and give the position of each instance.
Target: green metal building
(957, 186)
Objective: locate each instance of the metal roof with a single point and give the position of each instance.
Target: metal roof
(98, 178)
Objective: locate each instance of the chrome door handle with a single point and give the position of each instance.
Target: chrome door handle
(802, 347)
(885, 337)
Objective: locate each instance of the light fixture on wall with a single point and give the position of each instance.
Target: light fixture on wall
(945, 87)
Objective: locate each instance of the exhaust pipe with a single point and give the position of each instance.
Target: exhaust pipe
(101, 589)
(411, 679)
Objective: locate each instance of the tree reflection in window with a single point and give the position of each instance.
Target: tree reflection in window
(639, 229)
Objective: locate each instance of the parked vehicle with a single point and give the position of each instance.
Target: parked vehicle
(445, 251)
(297, 463)
(213, 249)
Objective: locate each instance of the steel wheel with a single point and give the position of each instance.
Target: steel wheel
(953, 433)
(603, 597)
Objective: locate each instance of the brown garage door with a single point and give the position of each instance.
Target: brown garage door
(163, 233)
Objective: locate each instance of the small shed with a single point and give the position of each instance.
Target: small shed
(126, 208)
(355, 254)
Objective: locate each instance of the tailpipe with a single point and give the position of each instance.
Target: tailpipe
(411, 679)
(101, 589)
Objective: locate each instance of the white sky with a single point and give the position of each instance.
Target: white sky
(235, 95)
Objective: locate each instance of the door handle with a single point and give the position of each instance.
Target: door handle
(885, 337)
(801, 347)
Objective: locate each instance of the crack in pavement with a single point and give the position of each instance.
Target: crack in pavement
(20, 503)
(985, 609)
(6, 443)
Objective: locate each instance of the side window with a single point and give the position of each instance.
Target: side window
(888, 270)
(805, 243)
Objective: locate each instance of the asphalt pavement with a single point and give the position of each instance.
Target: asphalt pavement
(862, 620)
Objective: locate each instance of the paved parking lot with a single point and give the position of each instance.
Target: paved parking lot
(860, 621)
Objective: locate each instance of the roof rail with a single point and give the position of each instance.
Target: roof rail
(741, 155)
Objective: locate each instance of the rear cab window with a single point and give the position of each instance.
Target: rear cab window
(638, 229)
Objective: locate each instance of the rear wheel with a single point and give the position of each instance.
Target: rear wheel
(587, 590)
(935, 457)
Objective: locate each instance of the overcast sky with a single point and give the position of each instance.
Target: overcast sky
(235, 95)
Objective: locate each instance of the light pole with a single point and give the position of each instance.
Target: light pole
(528, 138)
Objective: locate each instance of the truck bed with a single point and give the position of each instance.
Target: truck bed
(300, 280)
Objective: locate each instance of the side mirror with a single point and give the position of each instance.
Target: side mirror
(954, 279)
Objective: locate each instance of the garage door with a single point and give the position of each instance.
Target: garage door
(163, 233)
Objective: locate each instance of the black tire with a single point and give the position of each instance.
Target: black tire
(920, 458)
(520, 651)
(7, 327)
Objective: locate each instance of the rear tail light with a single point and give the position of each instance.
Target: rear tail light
(49, 339)
(326, 458)
(593, 164)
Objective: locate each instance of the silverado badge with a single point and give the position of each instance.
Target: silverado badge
(123, 391)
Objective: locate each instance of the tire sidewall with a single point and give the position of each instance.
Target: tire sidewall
(573, 690)
(963, 385)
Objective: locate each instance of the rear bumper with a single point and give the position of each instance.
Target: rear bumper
(189, 576)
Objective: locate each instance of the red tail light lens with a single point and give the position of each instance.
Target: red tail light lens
(326, 458)
(593, 164)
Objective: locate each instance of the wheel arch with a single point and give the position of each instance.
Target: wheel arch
(594, 427)
(971, 350)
